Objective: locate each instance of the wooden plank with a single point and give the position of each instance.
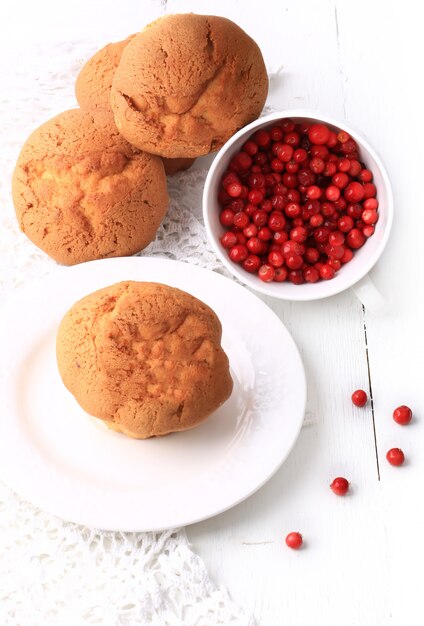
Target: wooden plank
(387, 74)
(244, 547)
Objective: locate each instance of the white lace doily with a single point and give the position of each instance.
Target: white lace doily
(53, 572)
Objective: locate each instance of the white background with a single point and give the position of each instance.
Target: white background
(361, 566)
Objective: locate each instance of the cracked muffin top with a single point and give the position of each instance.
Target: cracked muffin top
(94, 84)
(144, 357)
(82, 192)
(187, 83)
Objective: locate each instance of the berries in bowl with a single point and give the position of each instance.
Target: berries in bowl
(298, 207)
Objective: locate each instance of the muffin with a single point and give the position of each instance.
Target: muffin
(82, 192)
(186, 83)
(94, 83)
(144, 357)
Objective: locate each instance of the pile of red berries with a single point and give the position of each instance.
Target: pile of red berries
(296, 202)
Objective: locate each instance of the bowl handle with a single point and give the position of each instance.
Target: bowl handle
(371, 298)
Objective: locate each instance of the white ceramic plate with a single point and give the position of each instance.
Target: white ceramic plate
(70, 464)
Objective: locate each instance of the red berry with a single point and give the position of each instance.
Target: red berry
(369, 216)
(359, 397)
(334, 252)
(256, 181)
(343, 136)
(332, 193)
(280, 236)
(250, 147)
(234, 190)
(299, 234)
(292, 138)
(395, 456)
(326, 272)
(343, 165)
(347, 256)
(294, 261)
(292, 247)
(365, 176)
(328, 209)
(317, 165)
(241, 220)
(294, 540)
(311, 274)
(241, 238)
(355, 238)
(354, 192)
(275, 259)
(355, 168)
(238, 253)
(226, 217)
(276, 133)
(354, 211)
(266, 273)
(296, 277)
(255, 196)
(332, 140)
(336, 238)
(284, 152)
(370, 204)
(321, 234)
(244, 161)
(280, 274)
(250, 231)
(292, 209)
(340, 180)
(264, 233)
(345, 223)
(402, 415)
(255, 245)
(277, 165)
(368, 231)
(290, 180)
(330, 169)
(276, 221)
(228, 240)
(311, 255)
(319, 134)
(370, 190)
(340, 486)
(262, 138)
(300, 155)
(316, 220)
(313, 192)
(252, 263)
(334, 263)
(260, 218)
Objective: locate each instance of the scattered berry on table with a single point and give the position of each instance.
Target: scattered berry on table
(359, 397)
(340, 486)
(294, 540)
(297, 183)
(402, 415)
(395, 456)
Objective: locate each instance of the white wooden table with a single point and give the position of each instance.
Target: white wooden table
(358, 61)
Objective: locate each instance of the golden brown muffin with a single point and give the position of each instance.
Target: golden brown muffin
(94, 83)
(144, 357)
(82, 192)
(186, 83)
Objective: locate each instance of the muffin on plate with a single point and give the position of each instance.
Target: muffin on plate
(186, 83)
(82, 192)
(145, 358)
(94, 84)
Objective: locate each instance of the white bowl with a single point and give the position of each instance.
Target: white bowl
(363, 259)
